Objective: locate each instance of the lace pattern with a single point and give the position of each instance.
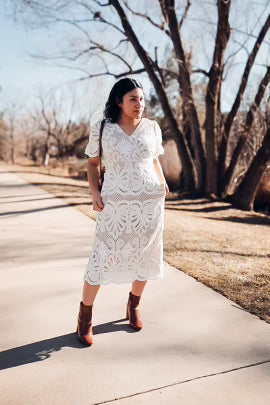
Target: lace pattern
(128, 242)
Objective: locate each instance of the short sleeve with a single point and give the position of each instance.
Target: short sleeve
(92, 148)
(159, 150)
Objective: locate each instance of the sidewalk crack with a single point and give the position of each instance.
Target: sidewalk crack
(183, 382)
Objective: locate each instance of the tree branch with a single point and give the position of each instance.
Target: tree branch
(95, 46)
(158, 68)
(97, 17)
(204, 72)
(239, 96)
(184, 15)
(248, 124)
(117, 76)
(150, 69)
(250, 34)
(257, 100)
(160, 26)
(102, 49)
(163, 10)
(249, 64)
(102, 4)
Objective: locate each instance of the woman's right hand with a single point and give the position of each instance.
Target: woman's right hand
(97, 201)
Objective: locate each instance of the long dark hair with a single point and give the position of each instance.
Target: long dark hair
(112, 110)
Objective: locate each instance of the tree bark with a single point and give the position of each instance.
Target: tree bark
(186, 94)
(213, 97)
(187, 165)
(12, 149)
(244, 196)
(45, 151)
(243, 138)
(239, 96)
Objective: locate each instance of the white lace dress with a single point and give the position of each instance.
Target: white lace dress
(128, 241)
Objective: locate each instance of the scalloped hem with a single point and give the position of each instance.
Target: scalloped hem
(112, 281)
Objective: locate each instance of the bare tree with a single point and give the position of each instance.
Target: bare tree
(3, 137)
(226, 179)
(8, 133)
(63, 136)
(203, 150)
(245, 193)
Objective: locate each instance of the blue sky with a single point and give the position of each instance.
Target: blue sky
(19, 73)
(22, 77)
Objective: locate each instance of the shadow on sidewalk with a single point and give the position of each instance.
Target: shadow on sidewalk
(42, 350)
(46, 198)
(53, 207)
(20, 195)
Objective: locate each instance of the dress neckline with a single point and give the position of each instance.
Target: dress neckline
(124, 132)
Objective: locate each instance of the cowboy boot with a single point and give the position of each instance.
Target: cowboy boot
(84, 328)
(133, 314)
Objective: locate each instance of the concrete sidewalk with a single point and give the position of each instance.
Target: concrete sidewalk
(196, 347)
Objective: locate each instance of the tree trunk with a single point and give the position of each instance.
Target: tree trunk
(186, 161)
(238, 98)
(12, 149)
(224, 183)
(244, 196)
(45, 149)
(213, 97)
(242, 140)
(186, 94)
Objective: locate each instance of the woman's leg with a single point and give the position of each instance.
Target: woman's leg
(89, 293)
(138, 287)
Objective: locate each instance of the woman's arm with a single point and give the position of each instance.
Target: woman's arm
(160, 174)
(93, 180)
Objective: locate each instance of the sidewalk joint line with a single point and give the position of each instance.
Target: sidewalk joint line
(183, 382)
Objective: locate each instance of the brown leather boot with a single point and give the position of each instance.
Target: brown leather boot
(133, 313)
(84, 328)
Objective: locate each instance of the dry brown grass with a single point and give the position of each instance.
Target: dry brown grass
(224, 248)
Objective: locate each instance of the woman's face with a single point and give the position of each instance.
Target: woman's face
(133, 104)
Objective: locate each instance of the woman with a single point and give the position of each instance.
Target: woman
(128, 246)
